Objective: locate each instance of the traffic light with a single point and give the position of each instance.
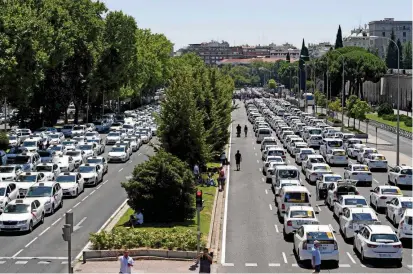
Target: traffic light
(199, 198)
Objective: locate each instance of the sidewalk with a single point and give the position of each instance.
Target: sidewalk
(141, 266)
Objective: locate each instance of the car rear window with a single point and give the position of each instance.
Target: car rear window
(406, 171)
(322, 237)
(296, 197)
(354, 201)
(362, 217)
(384, 238)
(390, 191)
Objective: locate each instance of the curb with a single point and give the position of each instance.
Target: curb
(211, 224)
(141, 253)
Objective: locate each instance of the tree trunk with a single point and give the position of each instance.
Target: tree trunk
(359, 124)
(76, 118)
(354, 122)
(65, 116)
(361, 91)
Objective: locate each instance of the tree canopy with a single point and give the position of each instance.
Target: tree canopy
(391, 56)
(407, 55)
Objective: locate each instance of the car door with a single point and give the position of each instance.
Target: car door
(80, 182)
(56, 170)
(374, 195)
(55, 197)
(394, 173)
(14, 191)
(358, 238)
(391, 208)
(35, 214)
(298, 237)
(59, 193)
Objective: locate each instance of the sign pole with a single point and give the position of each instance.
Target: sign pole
(376, 137)
(198, 220)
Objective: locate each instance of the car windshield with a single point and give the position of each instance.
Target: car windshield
(72, 153)
(362, 217)
(66, 179)
(332, 178)
(85, 147)
(97, 123)
(270, 143)
(407, 204)
(44, 153)
(114, 134)
(79, 139)
(55, 148)
(322, 237)
(130, 140)
(334, 143)
(68, 143)
(94, 161)
(29, 144)
(288, 174)
(27, 178)
(314, 131)
(406, 171)
(128, 126)
(44, 168)
(78, 128)
(360, 168)
(6, 169)
(118, 149)
(339, 153)
(20, 159)
(90, 134)
(39, 191)
(390, 191)
(384, 238)
(307, 151)
(320, 168)
(12, 138)
(317, 160)
(302, 214)
(355, 201)
(54, 136)
(17, 208)
(275, 153)
(86, 169)
(116, 125)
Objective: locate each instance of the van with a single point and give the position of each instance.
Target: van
(268, 141)
(329, 144)
(263, 132)
(286, 172)
(292, 196)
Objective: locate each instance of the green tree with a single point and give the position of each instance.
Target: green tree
(399, 45)
(361, 108)
(350, 104)
(335, 106)
(407, 55)
(391, 56)
(163, 187)
(272, 84)
(320, 99)
(339, 39)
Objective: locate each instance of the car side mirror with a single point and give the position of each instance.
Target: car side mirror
(356, 231)
(388, 202)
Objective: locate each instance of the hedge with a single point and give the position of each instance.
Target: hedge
(125, 237)
(384, 109)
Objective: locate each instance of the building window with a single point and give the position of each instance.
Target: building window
(383, 34)
(404, 27)
(404, 34)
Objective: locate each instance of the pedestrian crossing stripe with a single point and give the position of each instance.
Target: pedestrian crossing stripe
(44, 262)
(2, 262)
(21, 262)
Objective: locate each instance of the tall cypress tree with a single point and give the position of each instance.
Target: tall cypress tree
(288, 57)
(407, 53)
(399, 45)
(303, 57)
(339, 39)
(391, 56)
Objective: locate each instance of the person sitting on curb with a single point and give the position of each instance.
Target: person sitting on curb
(136, 219)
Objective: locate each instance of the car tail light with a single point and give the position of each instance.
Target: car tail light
(371, 246)
(397, 246)
(335, 245)
(289, 223)
(357, 193)
(383, 197)
(283, 206)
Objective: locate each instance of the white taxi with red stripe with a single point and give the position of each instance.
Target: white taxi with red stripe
(298, 216)
(405, 225)
(381, 194)
(50, 195)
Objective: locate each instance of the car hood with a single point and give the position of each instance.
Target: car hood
(22, 185)
(42, 200)
(88, 175)
(7, 175)
(68, 185)
(14, 217)
(116, 154)
(113, 137)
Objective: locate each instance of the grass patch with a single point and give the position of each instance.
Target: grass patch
(354, 130)
(374, 117)
(206, 214)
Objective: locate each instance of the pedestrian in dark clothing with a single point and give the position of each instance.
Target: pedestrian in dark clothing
(205, 261)
(238, 159)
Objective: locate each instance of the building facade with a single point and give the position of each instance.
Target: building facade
(281, 51)
(359, 37)
(318, 50)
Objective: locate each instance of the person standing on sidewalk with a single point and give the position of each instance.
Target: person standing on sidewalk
(238, 159)
(126, 263)
(205, 261)
(221, 178)
(316, 257)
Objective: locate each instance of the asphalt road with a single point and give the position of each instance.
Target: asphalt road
(253, 234)
(44, 249)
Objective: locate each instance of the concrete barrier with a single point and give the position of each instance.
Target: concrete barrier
(147, 253)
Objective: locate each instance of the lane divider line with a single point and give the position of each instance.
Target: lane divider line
(98, 187)
(34, 239)
(262, 179)
(260, 169)
(55, 222)
(254, 148)
(273, 265)
(256, 154)
(250, 264)
(285, 258)
(44, 231)
(105, 182)
(266, 191)
(276, 228)
(17, 253)
(376, 181)
(76, 205)
(85, 198)
(92, 192)
(70, 210)
(120, 169)
(318, 207)
(270, 206)
(227, 264)
(258, 162)
(351, 258)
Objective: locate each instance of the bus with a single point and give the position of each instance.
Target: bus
(310, 99)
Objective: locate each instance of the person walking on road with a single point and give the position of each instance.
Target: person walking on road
(221, 178)
(126, 263)
(246, 130)
(316, 257)
(205, 261)
(238, 159)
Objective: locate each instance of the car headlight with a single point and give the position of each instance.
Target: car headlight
(47, 202)
(21, 222)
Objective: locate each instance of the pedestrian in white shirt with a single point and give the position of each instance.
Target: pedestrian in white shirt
(126, 263)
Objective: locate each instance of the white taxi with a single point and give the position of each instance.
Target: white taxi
(360, 173)
(65, 162)
(58, 149)
(348, 201)
(91, 173)
(113, 137)
(364, 152)
(8, 193)
(71, 183)
(89, 149)
(26, 180)
(404, 230)
(311, 159)
(118, 154)
(77, 156)
(381, 194)
(22, 215)
(49, 194)
(276, 159)
(324, 182)
(336, 189)
(315, 171)
(276, 186)
(99, 145)
(270, 169)
(99, 161)
(337, 157)
(133, 142)
(304, 238)
(376, 161)
(49, 170)
(70, 144)
(296, 216)
(378, 242)
(299, 157)
(354, 218)
(396, 208)
(10, 172)
(354, 149)
(400, 175)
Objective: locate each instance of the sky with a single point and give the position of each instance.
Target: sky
(256, 22)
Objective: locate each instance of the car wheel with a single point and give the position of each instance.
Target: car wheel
(52, 210)
(377, 208)
(362, 258)
(30, 226)
(42, 219)
(394, 221)
(395, 183)
(77, 192)
(399, 263)
(61, 203)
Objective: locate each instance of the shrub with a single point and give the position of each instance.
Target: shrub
(4, 140)
(404, 118)
(408, 122)
(384, 109)
(124, 237)
(389, 117)
(164, 188)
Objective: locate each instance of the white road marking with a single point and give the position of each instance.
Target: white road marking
(128, 177)
(120, 169)
(351, 258)
(276, 228)
(77, 204)
(105, 182)
(254, 148)
(35, 238)
(17, 253)
(410, 266)
(250, 264)
(43, 262)
(343, 265)
(65, 262)
(139, 153)
(258, 161)
(285, 258)
(21, 262)
(270, 206)
(273, 265)
(55, 222)
(44, 231)
(377, 182)
(70, 210)
(98, 187)
(256, 154)
(260, 169)
(2, 262)
(262, 179)
(362, 265)
(78, 226)
(85, 198)
(92, 192)
(318, 207)
(266, 191)
(294, 265)
(228, 264)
